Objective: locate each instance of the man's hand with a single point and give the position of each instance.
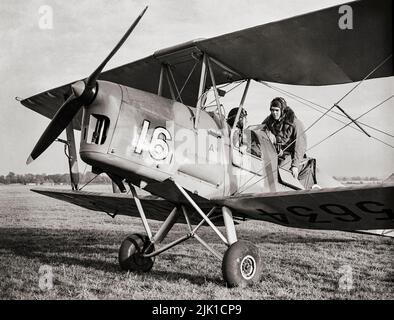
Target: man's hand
(294, 171)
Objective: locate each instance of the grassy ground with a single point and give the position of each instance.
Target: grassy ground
(81, 249)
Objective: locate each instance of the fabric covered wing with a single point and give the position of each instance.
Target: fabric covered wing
(48, 103)
(310, 49)
(345, 208)
(139, 75)
(123, 204)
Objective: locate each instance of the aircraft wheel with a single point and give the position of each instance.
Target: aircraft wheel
(241, 264)
(130, 254)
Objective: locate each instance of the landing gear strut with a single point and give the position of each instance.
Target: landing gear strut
(241, 263)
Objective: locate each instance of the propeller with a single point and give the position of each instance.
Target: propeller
(83, 93)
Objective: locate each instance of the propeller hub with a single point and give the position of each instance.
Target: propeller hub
(78, 88)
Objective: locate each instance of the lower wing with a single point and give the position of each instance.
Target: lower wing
(345, 208)
(123, 204)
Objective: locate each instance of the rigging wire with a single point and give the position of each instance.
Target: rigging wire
(88, 182)
(187, 80)
(340, 129)
(325, 113)
(287, 162)
(351, 90)
(366, 77)
(298, 98)
(238, 84)
(84, 170)
(350, 124)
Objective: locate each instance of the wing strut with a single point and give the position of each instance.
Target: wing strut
(215, 91)
(241, 104)
(160, 88)
(201, 89)
(71, 154)
(72, 157)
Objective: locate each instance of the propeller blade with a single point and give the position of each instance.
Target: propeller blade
(60, 121)
(94, 76)
(83, 93)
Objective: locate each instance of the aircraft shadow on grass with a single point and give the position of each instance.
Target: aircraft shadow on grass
(74, 248)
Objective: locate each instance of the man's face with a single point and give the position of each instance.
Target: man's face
(275, 113)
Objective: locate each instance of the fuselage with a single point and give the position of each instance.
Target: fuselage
(145, 139)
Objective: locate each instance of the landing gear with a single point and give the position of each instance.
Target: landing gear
(241, 265)
(131, 253)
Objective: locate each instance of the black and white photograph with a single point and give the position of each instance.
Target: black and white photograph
(202, 150)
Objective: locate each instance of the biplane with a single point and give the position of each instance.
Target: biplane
(147, 125)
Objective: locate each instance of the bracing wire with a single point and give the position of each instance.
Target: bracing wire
(340, 129)
(366, 77)
(187, 80)
(332, 134)
(310, 103)
(88, 182)
(289, 94)
(324, 114)
(351, 90)
(236, 86)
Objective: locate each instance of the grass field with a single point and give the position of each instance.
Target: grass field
(80, 247)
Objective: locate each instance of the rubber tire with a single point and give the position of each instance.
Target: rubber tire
(241, 254)
(130, 251)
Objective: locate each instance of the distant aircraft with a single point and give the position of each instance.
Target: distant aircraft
(146, 124)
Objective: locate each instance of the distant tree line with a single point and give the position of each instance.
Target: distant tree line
(357, 178)
(12, 178)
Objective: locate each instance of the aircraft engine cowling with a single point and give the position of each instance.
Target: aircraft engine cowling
(99, 121)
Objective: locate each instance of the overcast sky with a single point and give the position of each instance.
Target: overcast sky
(33, 60)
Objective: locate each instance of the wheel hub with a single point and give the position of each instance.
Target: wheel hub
(248, 267)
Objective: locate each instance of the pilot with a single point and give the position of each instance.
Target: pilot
(287, 134)
(241, 124)
(243, 137)
(232, 115)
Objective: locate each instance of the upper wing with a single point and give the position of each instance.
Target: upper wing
(310, 49)
(344, 208)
